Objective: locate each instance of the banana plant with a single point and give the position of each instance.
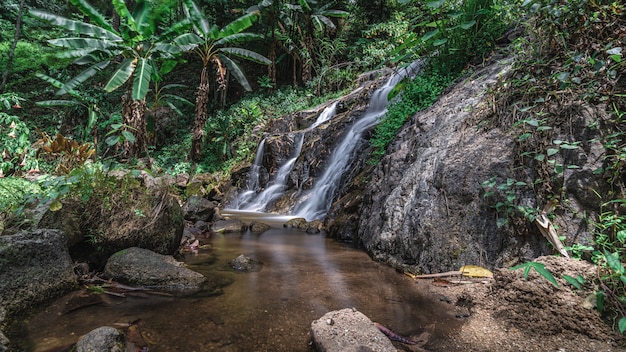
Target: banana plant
(136, 47)
(316, 19)
(215, 47)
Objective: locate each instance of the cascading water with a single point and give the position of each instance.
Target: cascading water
(326, 115)
(253, 178)
(249, 199)
(317, 203)
(275, 187)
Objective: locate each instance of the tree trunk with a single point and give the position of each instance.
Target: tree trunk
(307, 62)
(202, 104)
(18, 23)
(271, 68)
(133, 115)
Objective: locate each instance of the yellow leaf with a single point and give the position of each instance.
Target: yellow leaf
(412, 276)
(475, 271)
(56, 205)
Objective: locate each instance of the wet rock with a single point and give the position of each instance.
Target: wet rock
(315, 226)
(229, 226)
(245, 264)
(423, 205)
(36, 268)
(199, 208)
(295, 223)
(259, 227)
(102, 339)
(141, 267)
(348, 330)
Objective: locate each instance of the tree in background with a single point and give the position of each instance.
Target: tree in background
(137, 45)
(215, 47)
(16, 37)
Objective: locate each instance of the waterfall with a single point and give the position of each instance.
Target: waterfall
(326, 115)
(318, 201)
(253, 178)
(276, 186)
(250, 199)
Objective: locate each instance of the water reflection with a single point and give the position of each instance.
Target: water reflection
(303, 277)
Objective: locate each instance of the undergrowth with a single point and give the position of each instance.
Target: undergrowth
(417, 95)
(570, 59)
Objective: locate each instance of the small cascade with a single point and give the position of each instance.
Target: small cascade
(276, 187)
(250, 199)
(317, 203)
(253, 178)
(326, 115)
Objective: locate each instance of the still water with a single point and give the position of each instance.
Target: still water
(303, 277)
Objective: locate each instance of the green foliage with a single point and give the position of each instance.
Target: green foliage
(377, 43)
(29, 58)
(417, 95)
(13, 190)
(16, 153)
(539, 268)
(455, 31)
(504, 195)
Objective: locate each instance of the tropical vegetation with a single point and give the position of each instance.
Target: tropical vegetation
(86, 83)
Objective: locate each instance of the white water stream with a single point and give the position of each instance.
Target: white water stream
(315, 203)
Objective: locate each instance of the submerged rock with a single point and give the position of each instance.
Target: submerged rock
(348, 330)
(102, 339)
(142, 267)
(245, 264)
(259, 227)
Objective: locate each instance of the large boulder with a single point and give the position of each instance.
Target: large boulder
(102, 226)
(36, 268)
(141, 267)
(348, 330)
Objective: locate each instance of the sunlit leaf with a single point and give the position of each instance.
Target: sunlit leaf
(56, 205)
(475, 271)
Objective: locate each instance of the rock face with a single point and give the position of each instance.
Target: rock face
(423, 206)
(348, 330)
(141, 267)
(36, 267)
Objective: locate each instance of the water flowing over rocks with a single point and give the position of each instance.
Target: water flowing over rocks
(348, 330)
(141, 267)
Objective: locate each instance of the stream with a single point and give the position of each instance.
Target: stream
(303, 277)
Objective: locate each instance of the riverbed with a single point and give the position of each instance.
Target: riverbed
(303, 276)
